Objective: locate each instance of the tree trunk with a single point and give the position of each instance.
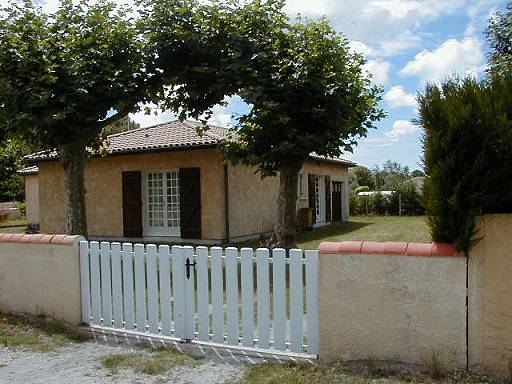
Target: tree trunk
(73, 159)
(286, 224)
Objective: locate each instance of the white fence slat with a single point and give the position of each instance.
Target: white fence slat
(152, 286)
(85, 282)
(296, 301)
(217, 292)
(95, 282)
(178, 289)
(262, 272)
(279, 293)
(106, 284)
(128, 287)
(202, 294)
(247, 298)
(232, 295)
(117, 286)
(165, 290)
(188, 255)
(140, 287)
(312, 301)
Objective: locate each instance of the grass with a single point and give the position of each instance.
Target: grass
(369, 228)
(36, 333)
(13, 226)
(157, 362)
(339, 374)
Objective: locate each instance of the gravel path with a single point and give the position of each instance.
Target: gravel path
(81, 364)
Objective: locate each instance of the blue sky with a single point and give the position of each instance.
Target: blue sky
(406, 43)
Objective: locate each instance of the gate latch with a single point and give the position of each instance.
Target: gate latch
(188, 264)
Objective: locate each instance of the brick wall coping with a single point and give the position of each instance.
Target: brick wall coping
(38, 238)
(389, 248)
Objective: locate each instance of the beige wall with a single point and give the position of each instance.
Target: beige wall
(490, 301)
(338, 172)
(103, 182)
(253, 200)
(41, 278)
(32, 198)
(392, 307)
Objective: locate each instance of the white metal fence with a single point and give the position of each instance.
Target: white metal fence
(204, 294)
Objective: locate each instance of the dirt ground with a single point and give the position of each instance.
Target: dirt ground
(82, 364)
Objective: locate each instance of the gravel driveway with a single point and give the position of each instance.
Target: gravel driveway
(81, 364)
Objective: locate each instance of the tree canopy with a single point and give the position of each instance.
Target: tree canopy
(499, 37)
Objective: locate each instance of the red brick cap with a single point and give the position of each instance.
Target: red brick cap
(389, 248)
(38, 238)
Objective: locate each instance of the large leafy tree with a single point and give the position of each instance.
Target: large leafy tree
(499, 36)
(67, 75)
(308, 93)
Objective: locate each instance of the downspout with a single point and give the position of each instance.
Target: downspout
(226, 201)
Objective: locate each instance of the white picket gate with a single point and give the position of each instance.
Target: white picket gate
(205, 295)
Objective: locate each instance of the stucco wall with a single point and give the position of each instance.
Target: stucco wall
(40, 274)
(387, 301)
(32, 198)
(337, 172)
(490, 299)
(103, 182)
(253, 200)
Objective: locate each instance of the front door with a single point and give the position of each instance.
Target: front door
(336, 200)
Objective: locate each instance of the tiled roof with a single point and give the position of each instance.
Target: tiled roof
(32, 170)
(166, 136)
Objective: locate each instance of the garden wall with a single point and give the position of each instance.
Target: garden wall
(40, 274)
(392, 301)
(490, 297)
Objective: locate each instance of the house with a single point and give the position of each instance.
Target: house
(169, 183)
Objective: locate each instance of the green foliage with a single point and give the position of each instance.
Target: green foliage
(467, 154)
(362, 176)
(308, 94)
(391, 175)
(411, 201)
(379, 204)
(61, 74)
(11, 159)
(499, 37)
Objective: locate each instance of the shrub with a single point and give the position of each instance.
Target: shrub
(378, 203)
(467, 155)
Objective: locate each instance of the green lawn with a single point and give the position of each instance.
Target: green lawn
(369, 228)
(13, 226)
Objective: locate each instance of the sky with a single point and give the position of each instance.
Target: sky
(406, 43)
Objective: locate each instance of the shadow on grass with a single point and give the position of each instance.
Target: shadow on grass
(332, 230)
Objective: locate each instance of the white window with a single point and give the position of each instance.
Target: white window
(162, 204)
(303, 186)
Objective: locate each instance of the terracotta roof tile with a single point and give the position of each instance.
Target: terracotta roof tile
(166, 136)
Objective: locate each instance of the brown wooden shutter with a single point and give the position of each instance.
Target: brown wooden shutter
(311, 195)
(327, 198)
(132, 204)
(190, 203)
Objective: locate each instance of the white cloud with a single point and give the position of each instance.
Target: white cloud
(156, 116)
(379, 70)
(360, 47)
(397, 97)
(463, 57)
(399, 44)
(401, 129)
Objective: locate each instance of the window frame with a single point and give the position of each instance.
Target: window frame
(164, 230)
